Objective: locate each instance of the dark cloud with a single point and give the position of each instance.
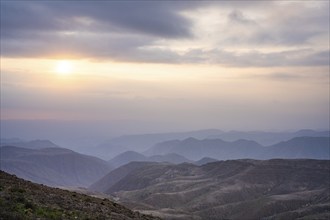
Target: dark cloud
(237, 16)
(132, 30)
(142, 17)
(271, 59)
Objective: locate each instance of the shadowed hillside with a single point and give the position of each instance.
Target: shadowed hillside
(235, 189)
(20, 199)
(53, 166)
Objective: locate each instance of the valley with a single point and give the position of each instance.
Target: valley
(185, 179)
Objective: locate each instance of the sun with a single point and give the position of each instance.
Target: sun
(64, 67)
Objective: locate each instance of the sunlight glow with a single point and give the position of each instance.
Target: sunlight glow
(64, 67)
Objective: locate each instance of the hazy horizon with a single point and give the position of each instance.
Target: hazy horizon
(94, 71)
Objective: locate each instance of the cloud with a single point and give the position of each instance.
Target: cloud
(140, 17)
(237, 16)
(145, 32)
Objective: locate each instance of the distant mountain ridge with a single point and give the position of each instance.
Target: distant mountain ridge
(142, 142)
(52, 166)
(34, 144)
(233, 189)
(269, 138)
(194, 149)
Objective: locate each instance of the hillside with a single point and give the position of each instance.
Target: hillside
(34, 144)
(194, 149)
(20, 199)
(235, 189)
(130, 156)
(114, 176)
(53, 166)
(301, 147)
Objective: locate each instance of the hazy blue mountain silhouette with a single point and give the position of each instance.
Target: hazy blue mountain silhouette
(53, 166)
(34, 144)
(194, 149)
(142, 142)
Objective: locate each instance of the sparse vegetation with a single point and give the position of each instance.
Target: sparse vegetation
(20, 199)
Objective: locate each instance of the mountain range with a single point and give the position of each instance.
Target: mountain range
(194, 149)
(143, 142)
(233, 189)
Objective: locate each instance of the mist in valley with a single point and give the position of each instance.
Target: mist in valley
(164, 110)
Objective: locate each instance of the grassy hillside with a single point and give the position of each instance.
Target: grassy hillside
(20, 199)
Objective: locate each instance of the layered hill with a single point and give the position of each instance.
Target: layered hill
(34, 144)
(234, 189)
(268, 138)
(53, 166)
(194, 149)
(142, 142)
(130, 156)
(22, 199)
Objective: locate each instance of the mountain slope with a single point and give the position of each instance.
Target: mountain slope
(53, 166)
(301, 147)
(127, 157)
(130, 156)
(107, 181)
(237, 189)
(205, 160)
(22, 199)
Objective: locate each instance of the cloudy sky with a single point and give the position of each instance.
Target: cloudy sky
(150, 66)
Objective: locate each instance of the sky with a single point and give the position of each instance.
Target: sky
(103, 68)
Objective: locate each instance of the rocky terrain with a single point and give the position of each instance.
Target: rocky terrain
(20, 199)
(234, 189)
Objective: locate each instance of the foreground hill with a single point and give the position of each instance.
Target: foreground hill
(194, 149)
(22, 199)
(53, 166)
(236, 189)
